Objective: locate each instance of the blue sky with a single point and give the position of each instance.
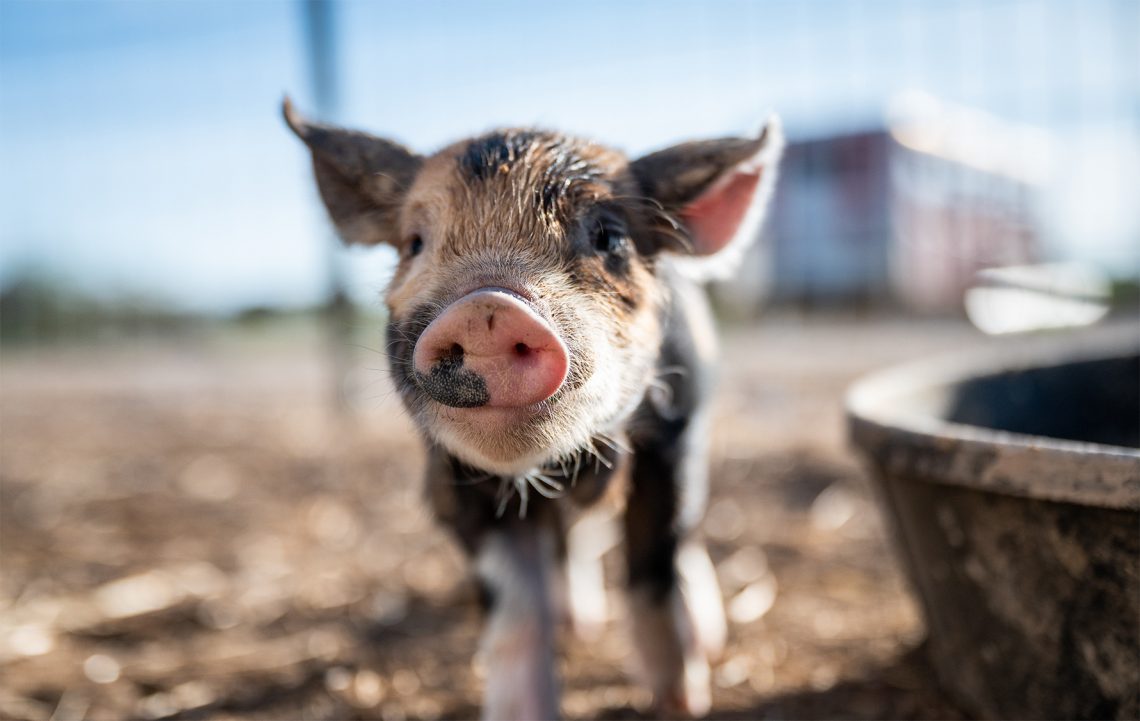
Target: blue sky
(142, 149)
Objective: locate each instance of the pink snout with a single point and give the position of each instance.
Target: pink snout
(490, 349)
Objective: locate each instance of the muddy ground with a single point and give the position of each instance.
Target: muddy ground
(187, 531)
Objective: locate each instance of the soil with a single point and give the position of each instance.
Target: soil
(189, 530)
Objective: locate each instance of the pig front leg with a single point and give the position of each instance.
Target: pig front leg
(514, 559)
(514, 564)
(675, 604)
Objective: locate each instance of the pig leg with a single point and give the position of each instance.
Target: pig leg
(514, 564)
(675, 604)
(701, 590)
(589, 539)
(514, 559)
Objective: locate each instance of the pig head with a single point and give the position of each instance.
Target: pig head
(525, 307)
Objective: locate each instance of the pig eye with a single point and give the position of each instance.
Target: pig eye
(415, 246)
(609, 239)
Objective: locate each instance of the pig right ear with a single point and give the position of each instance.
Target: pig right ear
(362, 179)
(713, 194)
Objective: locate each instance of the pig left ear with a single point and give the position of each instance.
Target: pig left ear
(362, 179)
(715, 190)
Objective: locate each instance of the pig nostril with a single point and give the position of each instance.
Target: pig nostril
(522, 349)
(456, 351)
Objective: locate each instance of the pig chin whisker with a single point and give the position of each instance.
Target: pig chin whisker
(614, 444)
(541, 483)
(600, 459)
(506, 486)
(590, 449)
(545, 485)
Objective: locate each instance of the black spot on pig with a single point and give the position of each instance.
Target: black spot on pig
(488, 155)
(554, 165)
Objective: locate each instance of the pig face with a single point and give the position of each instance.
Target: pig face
(523, 319)
(525, 310)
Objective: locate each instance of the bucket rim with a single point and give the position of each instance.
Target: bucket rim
(916, 445)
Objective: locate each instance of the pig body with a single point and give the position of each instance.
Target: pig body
(547, 339)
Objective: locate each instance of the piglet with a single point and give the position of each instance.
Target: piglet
(550, 339)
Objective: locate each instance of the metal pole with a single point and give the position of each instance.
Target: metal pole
(320, 36)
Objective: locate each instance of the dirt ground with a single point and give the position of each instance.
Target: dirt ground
(187, 531)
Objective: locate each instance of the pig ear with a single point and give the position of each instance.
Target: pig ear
(715, 190)
(362, 178)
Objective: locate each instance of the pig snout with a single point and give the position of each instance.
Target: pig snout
(489, 348)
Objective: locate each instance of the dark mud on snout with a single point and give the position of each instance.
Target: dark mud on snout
(453, 385)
